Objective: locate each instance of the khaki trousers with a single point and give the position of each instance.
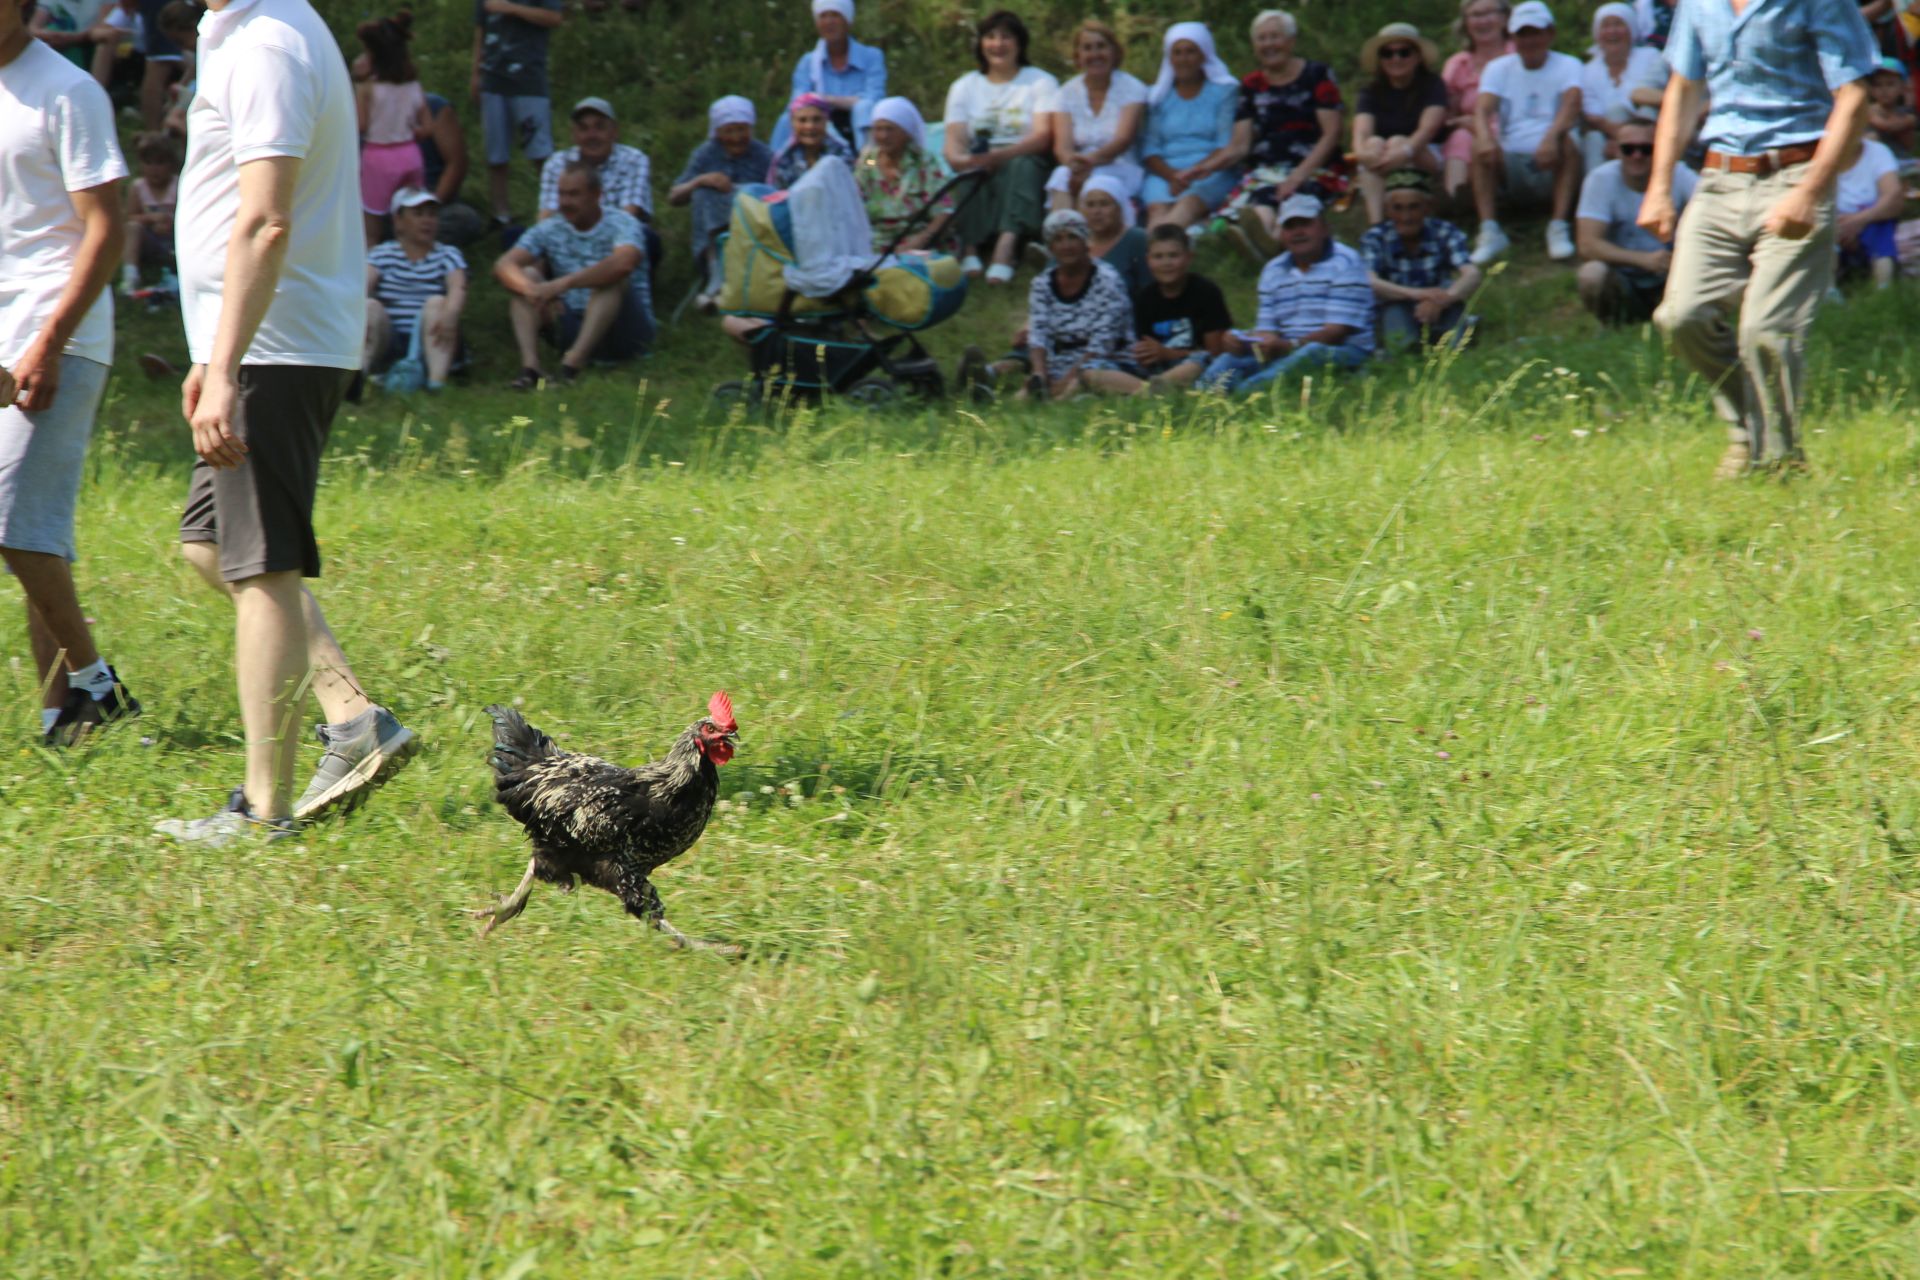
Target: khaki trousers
(1722, 252)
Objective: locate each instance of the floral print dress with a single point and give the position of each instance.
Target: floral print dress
(892, 201)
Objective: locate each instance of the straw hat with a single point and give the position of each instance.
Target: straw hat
(1370, 51)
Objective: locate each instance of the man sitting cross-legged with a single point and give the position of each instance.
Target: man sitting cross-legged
(573, 274)
(1624, 273)
(1419, 267)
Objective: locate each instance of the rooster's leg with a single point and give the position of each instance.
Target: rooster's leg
(642, 901)
(511, 905)
(689, 943)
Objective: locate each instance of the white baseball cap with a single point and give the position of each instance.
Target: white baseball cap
(411, 198)
(601, 105)
(1530, 13)
(1299, 206)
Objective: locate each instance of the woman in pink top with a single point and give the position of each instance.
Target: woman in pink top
(1482, 29)
(393, 117)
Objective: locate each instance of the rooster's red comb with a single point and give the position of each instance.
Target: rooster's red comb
(720, 711)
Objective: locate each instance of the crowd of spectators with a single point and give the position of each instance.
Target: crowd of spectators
(1096, 177)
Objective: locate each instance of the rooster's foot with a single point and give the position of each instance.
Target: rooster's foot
(508, 907)
(686, 942)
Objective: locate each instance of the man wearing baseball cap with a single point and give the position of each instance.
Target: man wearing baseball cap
(1535, 157)
(1316, 309)
(1787, 84)
(626, 184)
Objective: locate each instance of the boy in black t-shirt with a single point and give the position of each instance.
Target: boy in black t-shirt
(1181, 318)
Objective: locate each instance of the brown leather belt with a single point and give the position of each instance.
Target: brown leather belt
(1763, 164)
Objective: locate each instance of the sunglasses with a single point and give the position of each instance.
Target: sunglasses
(1400, 51)
(1636, 148)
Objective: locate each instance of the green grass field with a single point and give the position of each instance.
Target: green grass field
(1419, 827)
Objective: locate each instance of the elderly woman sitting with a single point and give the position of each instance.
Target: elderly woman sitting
(1400, 113)
(897, 175)
(730, 157)
(1287, 131)
(1113, 236)
(812, 138)
(1190, 121)
(1096, 117)
(1079, 319)
(997, 123)
(848, 76)
(1623, 79)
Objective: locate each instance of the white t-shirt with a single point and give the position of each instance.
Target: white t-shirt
(1528, 99)
(273, 83)
(56, 136)
(1859, 186)
(1606, 197)
(1090, 131)
(1004, 112)
(1600, 96)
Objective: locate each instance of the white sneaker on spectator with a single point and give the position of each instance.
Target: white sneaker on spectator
(1489, 244)
(1559, 240)
(971, 265)
(999, 273)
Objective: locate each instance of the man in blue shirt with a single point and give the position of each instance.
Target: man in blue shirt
(1316, 309)
(1787, 82)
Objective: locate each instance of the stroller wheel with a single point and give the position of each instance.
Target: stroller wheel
(871, 393)
(746, 393)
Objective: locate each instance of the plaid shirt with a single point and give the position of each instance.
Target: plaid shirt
(1771, 71)
(1334, 290)
(1443, 252)
(626, 179)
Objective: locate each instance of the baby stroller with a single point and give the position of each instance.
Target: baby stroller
(837, 318)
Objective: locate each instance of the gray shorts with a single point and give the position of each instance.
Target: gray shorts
(42, 457)
(1524, 182)
(260, 513)
(506, 120)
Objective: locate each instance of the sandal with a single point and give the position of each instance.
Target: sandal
(529, 380)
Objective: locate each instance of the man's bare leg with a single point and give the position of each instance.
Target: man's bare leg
(270, 657)
(603, 308)
(526, 324)
(55, 621)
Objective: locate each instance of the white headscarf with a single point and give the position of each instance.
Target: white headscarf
(732, 109)
(902, 112)
(1625, 13)
(842, 7)
(1197, 33)
(1107, 184)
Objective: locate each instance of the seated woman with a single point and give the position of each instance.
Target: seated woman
(997, 124)
(1623, 80)
(809, 140)
(1190, 122)
(1080, 319)
(730, 157)
(1400, 113)
(1113, 236)
(897, 175)
(1096, 118)
(416, 289)
(1287, 132)
(1482, 32)
(851, 77)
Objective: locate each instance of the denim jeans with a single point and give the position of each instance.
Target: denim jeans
(1400, 332)
(1246, 374)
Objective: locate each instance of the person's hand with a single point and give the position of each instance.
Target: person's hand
(1288, 185)
(1273, 346)
(1429, 309)
(9, 389)
(1791, 217)
(1544, 154)
(718, 182)
(1847, 229)
(36, 376)
(1658, 261)
(1081, 167)
(1020, 338)
(1487, 146)
(1656, 214)
(1234, 345)
(1149, 351)
(1177, 185)
(208, 401)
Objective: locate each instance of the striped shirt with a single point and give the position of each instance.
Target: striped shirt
(1334, 290)
(626, 179)
(405, 285)
(1770, 71)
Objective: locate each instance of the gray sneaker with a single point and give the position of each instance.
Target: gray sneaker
(361, 755)
(232, 823)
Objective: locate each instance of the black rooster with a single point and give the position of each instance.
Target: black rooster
(607, 825)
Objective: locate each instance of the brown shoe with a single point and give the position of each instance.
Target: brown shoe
(1734, 462)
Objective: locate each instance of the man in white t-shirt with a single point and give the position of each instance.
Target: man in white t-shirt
(1535, 158)
(272, 281)
(1867, 201)
(1624, 272)
(60, 239)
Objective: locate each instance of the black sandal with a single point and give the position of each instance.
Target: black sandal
(528, 380)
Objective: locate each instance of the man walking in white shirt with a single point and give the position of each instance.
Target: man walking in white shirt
(272, 278)
(60, 236)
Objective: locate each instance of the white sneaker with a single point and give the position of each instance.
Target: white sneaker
(1489, 244)
(1559, 240)
(999, 273)
(971, 265)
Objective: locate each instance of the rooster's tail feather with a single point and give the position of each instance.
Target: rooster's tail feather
(516, 743)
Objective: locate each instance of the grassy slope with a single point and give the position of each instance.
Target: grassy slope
(1196, 845)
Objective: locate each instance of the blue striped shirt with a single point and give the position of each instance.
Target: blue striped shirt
(405, 285)
(1771, 70)
(1334, 290)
